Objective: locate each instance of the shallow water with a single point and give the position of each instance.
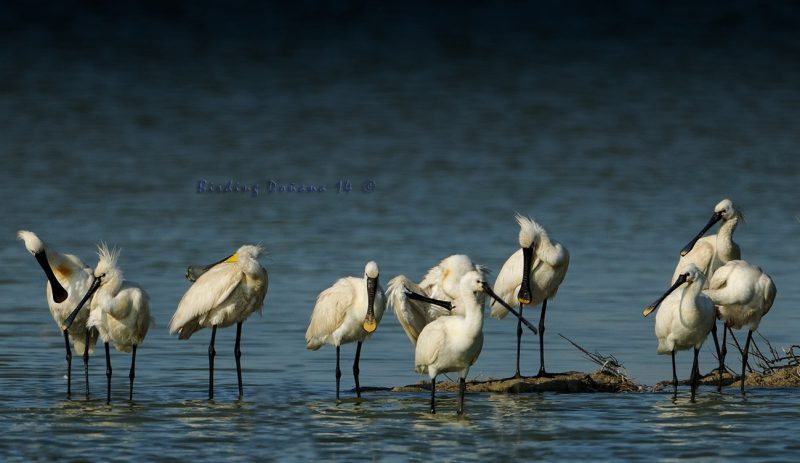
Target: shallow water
(618, 132)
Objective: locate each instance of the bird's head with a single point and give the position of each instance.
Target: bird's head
(32, 242)
(726, 210)
(473, 282)
(106, 268)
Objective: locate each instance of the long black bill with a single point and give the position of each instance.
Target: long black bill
(650, 308)
(92, 289)
(716, 217)
(59, 293)
(419, 297)
(370, 324)
(494, 296)
(524, 295)
(193, 272)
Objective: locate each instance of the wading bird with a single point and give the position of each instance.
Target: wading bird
(531, 275)
(348, 311)
(223, 293)
(712, 252)
(120, 311)
(743, 294)
(440, 283)
(68, 279)
(684, 319)
(453, 343)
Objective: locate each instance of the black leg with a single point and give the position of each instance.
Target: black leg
(211, 354)
(132, 374)
(356, 370)
(674, 375)
(723, 351)
(69, 364)
(519, 339)
(695, 372)
(338, 373)
(433, 395)
(108, 374)
(744, 356)
(541, 340)
(462, 388)
(719, 356)
(86, 360)
(237, 353)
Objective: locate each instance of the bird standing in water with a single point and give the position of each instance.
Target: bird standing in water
(532, 275)
(120, 311)
(348, 311)
(68, 279)
(743, 294)
(223, 293)
(684, 319)
(453, 343)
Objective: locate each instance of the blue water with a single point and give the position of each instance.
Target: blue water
(618, 129)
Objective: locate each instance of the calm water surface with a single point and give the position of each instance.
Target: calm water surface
(618, 133)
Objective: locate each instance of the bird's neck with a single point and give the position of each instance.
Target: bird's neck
(688, 307)
(473, 312)
(111, 284)
(724, 241)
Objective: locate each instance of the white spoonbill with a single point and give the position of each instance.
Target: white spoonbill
(684, 320)
(68, 279)
(120, 311)
(531, 275)
(711, 252)
(224, 293)
(441, 283)
(743, 294)
(453, 343)
(348, 311)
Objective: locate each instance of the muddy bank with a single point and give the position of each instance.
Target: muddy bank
(785, 377)
(600, 381)
(570, 382)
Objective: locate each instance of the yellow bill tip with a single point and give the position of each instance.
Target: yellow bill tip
(370, 326)
(524, 300)
(648, 310)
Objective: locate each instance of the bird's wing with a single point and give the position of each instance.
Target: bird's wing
(701, 255)
(329, 312)
(431, 279)
(412, 315)
(719, 279)
(209, 291)
(429, 344)
(769, 291)
(552, 274)
(507, 284)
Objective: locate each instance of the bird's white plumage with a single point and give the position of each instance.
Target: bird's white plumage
(76, 278)
(441, 282)
(120, 309)
(548, 267)
(742, 292)
(340, 310)
(453, 343)
(228, 293)
(686, 316)
(713, 251)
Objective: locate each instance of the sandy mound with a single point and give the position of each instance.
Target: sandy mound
(785, 377)
(572, 382)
